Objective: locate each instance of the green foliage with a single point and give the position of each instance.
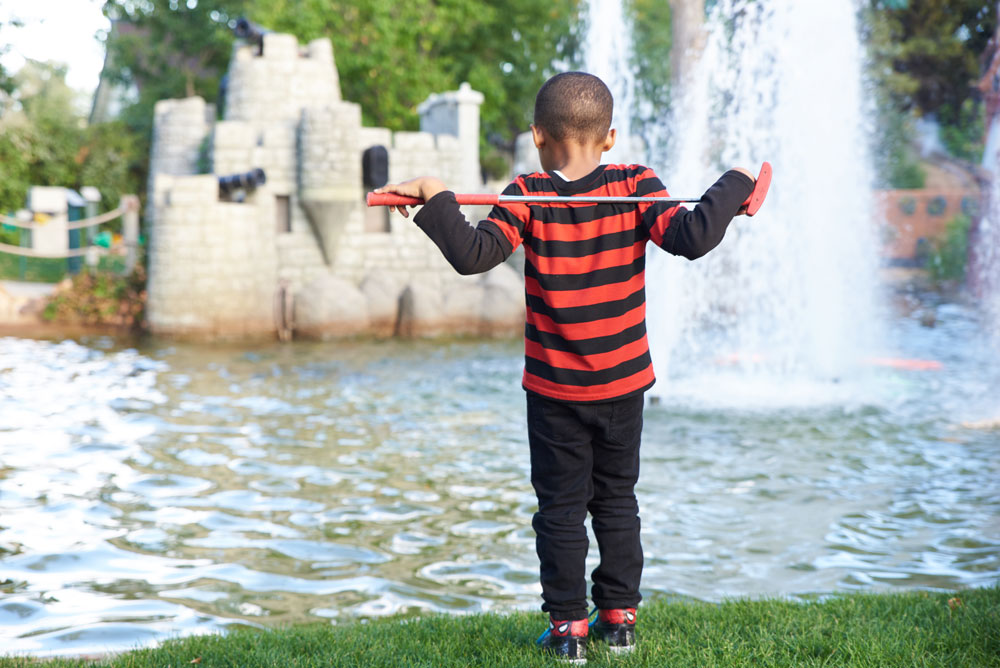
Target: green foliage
(897, 164)
(904, 171)
(962, 131)
(933, 49)
(850, 631)
(169, 49)
(45, 142)
(101, 298)
(390, 55)
(165, 49)
(15, 170)
(924, 58)
(32, 269)
(652, 42)
(948, 256)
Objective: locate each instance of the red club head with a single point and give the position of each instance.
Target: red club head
(756, 199)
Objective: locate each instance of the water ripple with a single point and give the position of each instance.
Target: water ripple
(175, 490)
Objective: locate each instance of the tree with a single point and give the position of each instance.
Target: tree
(390, 55)
(45, 141)
(925, 56)
(165, 49)
(653, 46)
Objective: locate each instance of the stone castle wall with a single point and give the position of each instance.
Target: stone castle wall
(222, 284)
(216, 267)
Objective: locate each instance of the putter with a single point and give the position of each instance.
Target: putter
(752, 203)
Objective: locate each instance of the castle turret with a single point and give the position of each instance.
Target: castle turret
(456, 113)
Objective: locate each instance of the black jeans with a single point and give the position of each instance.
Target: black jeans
(585, 457)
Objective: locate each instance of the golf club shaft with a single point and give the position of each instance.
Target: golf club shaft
(752, 203)
(389, 199)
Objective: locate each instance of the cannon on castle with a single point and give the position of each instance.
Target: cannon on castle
(251, 32)
(246, 182)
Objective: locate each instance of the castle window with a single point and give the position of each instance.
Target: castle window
(283, 213)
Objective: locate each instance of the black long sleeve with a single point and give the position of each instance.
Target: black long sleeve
(693, 233)
(470, 250)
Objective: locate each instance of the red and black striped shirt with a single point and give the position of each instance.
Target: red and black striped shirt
(585, 330)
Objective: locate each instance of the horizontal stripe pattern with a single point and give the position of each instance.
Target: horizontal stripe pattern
(585, 334)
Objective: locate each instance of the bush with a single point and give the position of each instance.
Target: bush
(101, 298)
(948, 255)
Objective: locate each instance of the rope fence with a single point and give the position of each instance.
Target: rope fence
(72, 225)
(128, 210)
(72, 252)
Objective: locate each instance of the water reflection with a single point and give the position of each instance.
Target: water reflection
(173, 490)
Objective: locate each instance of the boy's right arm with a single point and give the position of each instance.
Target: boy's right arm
(470, 250)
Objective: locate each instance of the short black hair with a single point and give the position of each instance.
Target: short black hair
(574, 105)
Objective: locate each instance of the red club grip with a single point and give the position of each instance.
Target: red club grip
(391, 199)
(756, 199)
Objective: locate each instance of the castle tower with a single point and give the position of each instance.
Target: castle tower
(456, 113)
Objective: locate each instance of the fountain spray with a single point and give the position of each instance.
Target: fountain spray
(794, 295)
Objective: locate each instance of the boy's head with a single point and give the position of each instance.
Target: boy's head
(574, 106)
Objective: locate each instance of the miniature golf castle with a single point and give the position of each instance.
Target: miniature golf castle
(257, 222)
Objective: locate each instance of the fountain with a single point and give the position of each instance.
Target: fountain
(985, 263)
(792, 294)
(607, 53)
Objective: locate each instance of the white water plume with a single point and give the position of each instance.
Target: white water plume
(791, 292)
(607, 54)
(985, 267)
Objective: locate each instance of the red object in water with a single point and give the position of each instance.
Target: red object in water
(752, 203)
(906, 364)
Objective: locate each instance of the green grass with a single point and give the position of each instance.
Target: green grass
(870, 630)
(33, 269)
(47, 270)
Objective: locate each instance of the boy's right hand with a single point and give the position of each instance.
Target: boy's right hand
(423, 187)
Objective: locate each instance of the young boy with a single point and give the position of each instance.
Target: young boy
(587, 360)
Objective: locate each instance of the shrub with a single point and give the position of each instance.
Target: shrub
(948, 255)
(101, 298)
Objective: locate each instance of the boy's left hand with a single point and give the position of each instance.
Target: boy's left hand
(746, 172)
(423, 187)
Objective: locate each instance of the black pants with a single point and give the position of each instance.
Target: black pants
(585, 457)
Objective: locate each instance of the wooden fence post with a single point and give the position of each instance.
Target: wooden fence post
(130, 230)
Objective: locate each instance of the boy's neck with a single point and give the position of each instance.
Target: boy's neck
(571, 159)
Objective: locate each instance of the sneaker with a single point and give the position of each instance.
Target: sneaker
(616, 628)
(567, 640)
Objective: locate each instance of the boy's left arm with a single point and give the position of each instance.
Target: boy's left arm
(693, 233)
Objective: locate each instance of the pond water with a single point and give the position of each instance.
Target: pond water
(172, 489)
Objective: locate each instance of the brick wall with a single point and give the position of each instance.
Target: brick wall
(916, 218)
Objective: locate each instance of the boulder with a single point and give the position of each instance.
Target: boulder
(330, 307)
(488, 305)
(421, 311)
(20, 309)
(382, 294)
(502, 307)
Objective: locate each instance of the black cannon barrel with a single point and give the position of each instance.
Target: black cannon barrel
(250, 31)
(246, 181)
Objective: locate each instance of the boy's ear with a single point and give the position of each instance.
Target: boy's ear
(609, 141)
(538, 135)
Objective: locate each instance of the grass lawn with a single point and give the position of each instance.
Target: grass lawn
(33, 269)
(872, 630)
(47, 270)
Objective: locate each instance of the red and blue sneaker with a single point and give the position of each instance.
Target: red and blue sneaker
(617, 628)
(566, 639)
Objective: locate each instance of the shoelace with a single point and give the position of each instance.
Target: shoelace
(592, 617)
